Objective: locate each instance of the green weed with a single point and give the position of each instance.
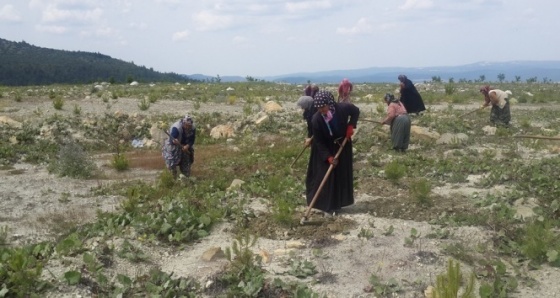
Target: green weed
(420, 190)
(245, 276)
(4, 230)
(394, 171)
(120, 162)
(58, 103)
(144, 105)
(73, 161)
(384, 288)
(448, 284)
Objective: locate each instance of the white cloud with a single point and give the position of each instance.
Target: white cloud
(140, 26)
(361, 27)
(416, 4)
(207, 20)
(180, 36)
(9, 13)
(307, 5)
(40, 4)
(51, 29)
(106, 32)
(168, 1)
(239, 40)
(54, 14)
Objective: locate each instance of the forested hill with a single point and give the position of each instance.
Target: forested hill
(24, 64)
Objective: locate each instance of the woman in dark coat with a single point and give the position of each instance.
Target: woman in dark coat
(410, 97)
(332, 123)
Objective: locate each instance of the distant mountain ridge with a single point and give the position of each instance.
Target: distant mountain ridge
(541, 70)
(24, 64)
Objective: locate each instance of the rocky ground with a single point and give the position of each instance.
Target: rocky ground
(345, 257)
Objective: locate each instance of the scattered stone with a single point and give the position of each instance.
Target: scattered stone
(423, 133)
(272, 106)
(295, 244)
(235, 184)
(222, 131)
(429, 292)
(212, 254)
(451, 138)
(7, 121)
(524, 208)
(339, 237)
(266, 257)
(489, 130)
(261, 120)
(282, 252)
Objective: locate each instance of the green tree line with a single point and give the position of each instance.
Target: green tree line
(23, 64)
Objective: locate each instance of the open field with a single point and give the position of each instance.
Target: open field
(73, 225)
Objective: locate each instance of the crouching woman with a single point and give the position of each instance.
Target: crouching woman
(178, 149)
(399, 121)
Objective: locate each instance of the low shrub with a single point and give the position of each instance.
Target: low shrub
(120, 162)
(394, 171)
(73, 161)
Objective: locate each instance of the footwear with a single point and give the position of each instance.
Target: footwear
(329, 214)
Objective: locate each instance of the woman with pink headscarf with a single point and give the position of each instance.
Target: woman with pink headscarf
(344, 90)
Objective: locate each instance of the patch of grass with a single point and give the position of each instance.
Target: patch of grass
(21, 271)
(132, 253)
(244, 275)
(59, 222)
(495, 281)
(58, 103)
(459, 251)
(382, 288)
(144, 104)
(539, 242)
(420, 190)
(365, 233)
(77, 110)
(448, 283)
(120, 162)
(301, 268)
(4, 235)
(17, 97)
(73, 161)
(394, 171)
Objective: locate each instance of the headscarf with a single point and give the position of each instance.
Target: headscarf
(188, 119)
(485, 89)
(323, 98)
(389, 98)
(305, 102)
(402, 78)
(345, 86)
(314, 90)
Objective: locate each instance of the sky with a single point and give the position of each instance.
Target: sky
(275, 37)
